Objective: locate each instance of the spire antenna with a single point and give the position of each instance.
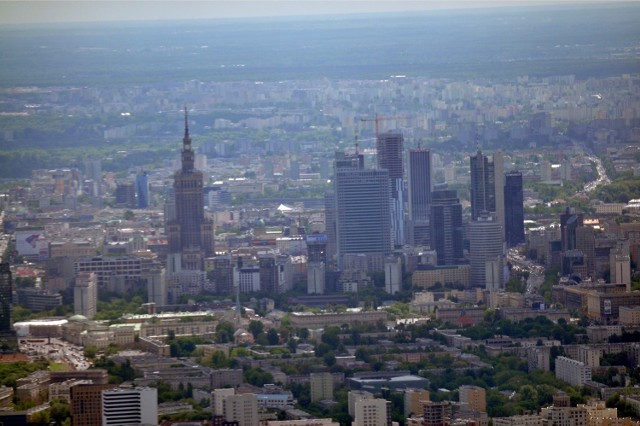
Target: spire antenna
(186, 122)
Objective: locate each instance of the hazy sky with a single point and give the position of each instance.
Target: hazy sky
(119, 10)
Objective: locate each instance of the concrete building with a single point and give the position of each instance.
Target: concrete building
(414, 400)
(355, 396)
(310, 320)
(86, 404)
(620, 267)
(315, 278)
(38, 300)
(525, 420)
(217, 399)
(474, 396)
(372, 412)
(109, 266)
(302, 422)
(242, 409)
(85, 295)
(589, 355)
(223, 274)
(427, 277)
(224, 377)
(572, 371)
(573, 416)
(629, 315)
(393, 274)
(437, 413)
(137, 406)
(539, 358)
(321, 386)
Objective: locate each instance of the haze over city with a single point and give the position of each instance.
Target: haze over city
(320, 213)
(99, 11)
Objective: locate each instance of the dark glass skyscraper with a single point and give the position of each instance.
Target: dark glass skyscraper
(446, 226)
(8, 340)
(420, 187)
(390, 146)
(191, 234)
(362, 208)
(570, 221)
(142, 190)
(5, 297)
(513, 208)
(487, 183)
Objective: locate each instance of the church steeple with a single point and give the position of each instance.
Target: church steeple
(188, 160)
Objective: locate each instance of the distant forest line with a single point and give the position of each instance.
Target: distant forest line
(584, 40)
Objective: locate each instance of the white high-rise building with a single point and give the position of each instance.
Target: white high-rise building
(392, 274)
(355, 396)
(572, 371)
(156, 286)
(486, 253)
(217, 400)
(372, 412)
(620, 266)
(315, 278)
(241, 408)
(85, 294)
(129, 407)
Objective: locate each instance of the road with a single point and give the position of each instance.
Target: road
(522, 264)
(602, 179)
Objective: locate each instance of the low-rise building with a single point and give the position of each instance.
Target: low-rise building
(310, 320)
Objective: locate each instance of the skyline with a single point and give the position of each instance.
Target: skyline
(42, 12)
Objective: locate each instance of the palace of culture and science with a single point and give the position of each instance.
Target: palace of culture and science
(190, 232)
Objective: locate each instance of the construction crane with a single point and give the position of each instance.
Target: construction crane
(378, 118)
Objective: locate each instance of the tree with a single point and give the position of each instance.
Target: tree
(224, 332)
(90, 352)
(60, 411)
(272, 336)
(303, 333)
(255, 328)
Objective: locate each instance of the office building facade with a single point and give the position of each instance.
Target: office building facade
(137, 406)
(446, 227)
(8, 340)
(420, 175)
(486, 253)
(390, 147)
(142, 190)
(487, 185)
(85, 295)
(513, 209)
(362, 210)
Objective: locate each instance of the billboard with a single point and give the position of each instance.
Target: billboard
(316, 238)
(607, 307)
(30, 242)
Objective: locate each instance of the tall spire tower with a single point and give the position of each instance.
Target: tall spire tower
(191, 233)
(188, 157)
